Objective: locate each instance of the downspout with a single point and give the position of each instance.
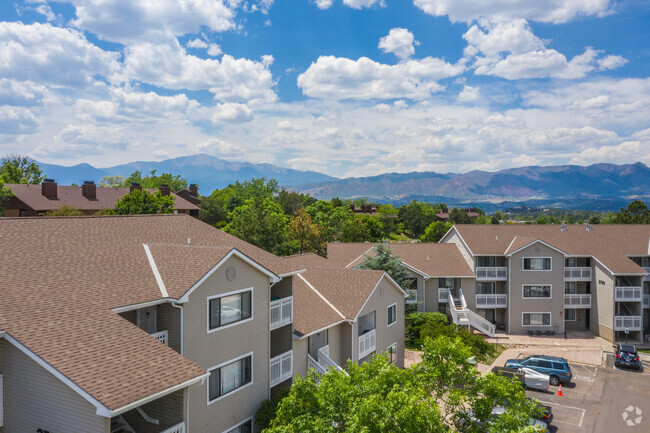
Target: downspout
(180, 307)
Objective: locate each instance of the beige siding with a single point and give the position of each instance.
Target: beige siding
(519, 277)
(131, 316)
(35, 399)
(220, 346)
(468, 286)
(300, 348)
(385, 295)
(169, 318)
(168, 410)
(432, 295)
(453, 238)
(602, 302)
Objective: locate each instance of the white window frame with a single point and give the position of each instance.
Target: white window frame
(207, 385)
(550, 318)
(523, 286)
(566, 316)
(387, 310)
(523, 260)
(250, 418)
(390, 353)
(221, 295)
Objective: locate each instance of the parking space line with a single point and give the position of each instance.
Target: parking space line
(593, 373)
(582, 415)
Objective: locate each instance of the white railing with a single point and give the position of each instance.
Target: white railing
(577, 301)
(281, 367)
(281, 312)
(646, 301)
(326, 362)
(463, 302)
(162, 336)
(443, 295)
(178, 428)
(413, 296)
(633, 323)
(367, 343)
(491, 273)
(628, 294)
(319, 369)
(647, 277)
(491, 301)
(573, 273)
(480, 323)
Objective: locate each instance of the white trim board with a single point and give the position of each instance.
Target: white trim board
(156, 273)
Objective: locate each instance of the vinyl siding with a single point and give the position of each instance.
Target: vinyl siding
(168, 410)
(169, 318)
(602, 302)
(212, 349)
(300, 357)
(468, 286)
(35, 399)
(453, 238)
(431, 304)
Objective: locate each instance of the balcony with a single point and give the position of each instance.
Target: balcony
(367, 343)
(646, 301)
(628, 294)
(577, 301)
(162, 336)
(647, 277)
(633, 323)
(491, 301)
(443, 294)
(281, 368)
(491, 273)
(178, 428)
(281, 312)
(577, 274)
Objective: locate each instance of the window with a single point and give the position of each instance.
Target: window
(486, 261)
(542, 363)
(392, 314)
(570, 288)
(570, 314)
(536, 319)
(571, 262)
(445, 283)
(392, 353)
(537, 263)
(230, 308)
(486, 288)
(537, 291)
(230, 377)
(412, 290)
(245, 427)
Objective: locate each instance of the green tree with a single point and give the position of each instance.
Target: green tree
(112, 181)
(594, 219)
(460, 216)
(308, 235)
(261, 222)
(255, 188)
(416, 216)
(388, 215)
(436, 231)
(64, 211)
(494, 220)
(20, 169)
(151, 181)
(384, 260)
(291, 201)
(636, 213)
(143, 202)
(331, 219)
(212, 209)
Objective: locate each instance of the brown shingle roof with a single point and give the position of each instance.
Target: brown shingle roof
(610, 244)
(63, 275)
(308, 260)
(71, 196)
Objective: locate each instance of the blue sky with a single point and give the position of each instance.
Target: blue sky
(345, 87)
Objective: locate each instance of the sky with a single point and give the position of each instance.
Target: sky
(343, 87)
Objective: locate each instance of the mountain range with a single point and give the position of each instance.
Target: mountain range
(594, 187)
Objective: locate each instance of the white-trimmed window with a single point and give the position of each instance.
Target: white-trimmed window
(536, 319)
(570, 288)
(570, 314)
(392, 314)
(536, 291)
(392, 353)
(537, 264)
(230, 308)
(245, 426)
(230, 376)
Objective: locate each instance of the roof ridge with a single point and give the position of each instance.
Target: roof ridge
(321, 296)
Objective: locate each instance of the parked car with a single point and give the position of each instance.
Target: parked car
(546, 412)
(528, 377)
(557, 369)
(627, 356)
(542, 426)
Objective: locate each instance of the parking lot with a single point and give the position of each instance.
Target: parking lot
(601, 399)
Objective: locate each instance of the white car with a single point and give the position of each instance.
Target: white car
(535, 379)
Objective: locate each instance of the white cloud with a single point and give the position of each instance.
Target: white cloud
(46, 11)
(24, 93)
(358, 4)
(232, 112)
(340, 78)
(197, 43)
(168, 65)
(400, 42)
(611, 62)
(494, 37)
(46, 54)
(323, 4)
(17, 120)
(469, 94)
(626, 152)
(551, 11)
(214, 50)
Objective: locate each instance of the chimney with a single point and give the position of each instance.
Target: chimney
(164, 189)
(48, 189)
(194, 190)
(89, 190)
(134, 186)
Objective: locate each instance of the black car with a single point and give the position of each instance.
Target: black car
(627, 356)
(546, 414)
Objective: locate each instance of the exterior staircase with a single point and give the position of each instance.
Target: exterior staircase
(463, 316)
(119, 425)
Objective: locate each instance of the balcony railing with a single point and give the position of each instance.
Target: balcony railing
(647, 277)
(491, 273)
(491, 301)
(281, 312)
(577, 301)
(646, 301)
(178, 428)
(577, 274)
(367, 343)
(413, 296)
(281, 367)
(443, 294)
(633, 323)
(628, 294)
(162, 336)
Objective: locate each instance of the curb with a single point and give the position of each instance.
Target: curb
(644, 356)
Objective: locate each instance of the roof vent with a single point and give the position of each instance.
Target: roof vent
(590, 228)
(563, 227)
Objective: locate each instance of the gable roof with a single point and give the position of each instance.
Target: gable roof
(71, 196)
(69, 272)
